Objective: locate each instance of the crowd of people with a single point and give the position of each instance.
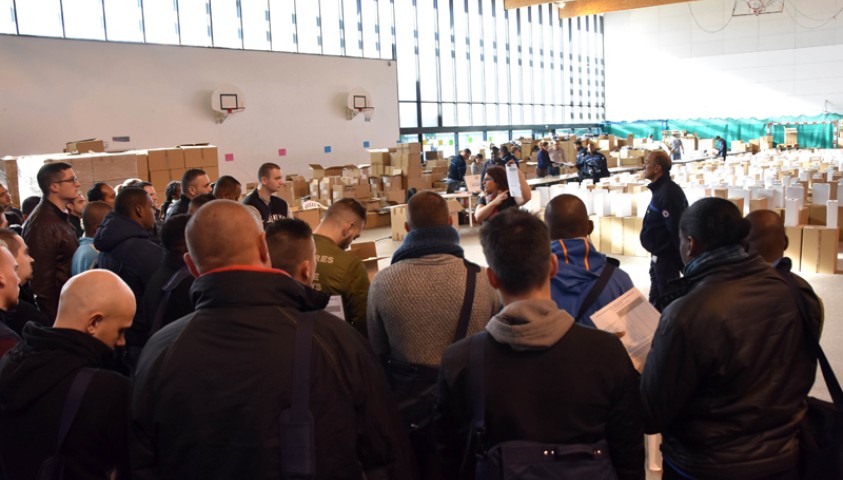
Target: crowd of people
(194, 341)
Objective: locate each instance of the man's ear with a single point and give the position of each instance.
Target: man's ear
(406, 227)
(493, 279)
(191, 265)
(694, 247)
(263, 250)
(93, 323)
(304, 272)
(590, 228)
(554, 265)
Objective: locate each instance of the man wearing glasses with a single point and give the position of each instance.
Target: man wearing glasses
(50, 236)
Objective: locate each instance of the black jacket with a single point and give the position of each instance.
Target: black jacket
(660, 230)
(210, 387)
(127, 250)
(34, 381)
(52, 242)
(178, 305)
(182, 205)
(276, 210)
(726, 379)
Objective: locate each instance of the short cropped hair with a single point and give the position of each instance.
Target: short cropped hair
(264, 169)
(224, 185)
(8, 236)
(346, 205)
(189, 177)
(95, 192)
(172, 233)
(129, 198)
(663, 159)
(714, 223)
(92, 215)
(517, 248)
(288, 240)
(199, 200)
(50, 173)
(427, 209)
(29, 204)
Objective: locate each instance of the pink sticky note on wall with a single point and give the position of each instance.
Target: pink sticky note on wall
(282, 152)
(229, 157)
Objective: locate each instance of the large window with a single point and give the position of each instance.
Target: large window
(467, 69)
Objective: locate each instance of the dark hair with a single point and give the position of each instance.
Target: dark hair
(170, 191)
(498, 174)
(427, 209)
(8, 236)
(29, 204)
(714, 223)
(92, 216)
(504, 149)
(286, 241)
(264, 169)
(95, 192)
(578, 142)
(566, 217)
(141, 184)
(200, 200)
(225, 184)
(347, 205)
(172, 233)
(189, 176)
(495, 149)
(129, 198)
(50, 173)
(517, 248)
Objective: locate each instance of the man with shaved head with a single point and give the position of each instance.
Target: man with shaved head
(37, 376)
(211, 387)
(291, 248)
(586, 280)
(86, 255)
(413, 321)
(767, 238)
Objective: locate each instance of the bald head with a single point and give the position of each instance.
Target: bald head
(427, 209)
(104, 317)
(767, 236)
(567, 217)
(223, 234)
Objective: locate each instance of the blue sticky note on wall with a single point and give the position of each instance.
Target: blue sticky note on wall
(366, 144)
(327, 149)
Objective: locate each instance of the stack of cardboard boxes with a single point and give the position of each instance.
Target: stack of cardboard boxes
(167, 164)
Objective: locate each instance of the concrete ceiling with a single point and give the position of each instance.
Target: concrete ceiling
(576, 8)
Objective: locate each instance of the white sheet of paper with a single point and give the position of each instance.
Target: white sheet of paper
(334, 307)
(632, 314)
(513, 180)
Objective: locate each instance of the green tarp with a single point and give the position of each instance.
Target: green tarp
(746, 129)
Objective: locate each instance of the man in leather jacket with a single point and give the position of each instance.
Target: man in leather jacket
(730, 366)
(50, 236)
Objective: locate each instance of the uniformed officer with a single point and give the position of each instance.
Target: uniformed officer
(660, 233)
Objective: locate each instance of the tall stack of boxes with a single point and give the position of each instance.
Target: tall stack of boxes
(167, 164)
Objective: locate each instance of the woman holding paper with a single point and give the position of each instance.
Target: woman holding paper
(497, 196)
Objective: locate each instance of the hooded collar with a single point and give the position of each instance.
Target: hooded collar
(115, 229)
(530, 324)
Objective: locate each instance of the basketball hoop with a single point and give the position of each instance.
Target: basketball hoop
(367, 113)
(221, 116)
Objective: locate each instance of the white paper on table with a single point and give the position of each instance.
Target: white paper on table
(514, 181)
(334, 307)
(632, 314)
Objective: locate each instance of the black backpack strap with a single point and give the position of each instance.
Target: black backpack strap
(72, 402)
(465, 313)
(477, 381)
(298, 448)
(828, 374)
(597, 289)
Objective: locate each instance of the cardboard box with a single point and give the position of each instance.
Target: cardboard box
(758, 204)
(175, 159)
(794, 246)
(367, 252)
(377, 220)
(113, 167)
(817, 214)
(738, 201)
(192, 157)
(157, 159)
(160, 179)
(398, 217)
(819, 249)
(396, 196)
(595, 234)
(321, 172)
(142, 166)
(312, 216)
(212, 172)
(301, 187)
(379, 157)
(85, 146)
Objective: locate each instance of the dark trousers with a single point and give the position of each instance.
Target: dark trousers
(541, 172)
(662, 271)
(669, 473)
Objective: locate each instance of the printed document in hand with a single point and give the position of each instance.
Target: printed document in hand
(335, 306)
(632, 314)
(514, 181)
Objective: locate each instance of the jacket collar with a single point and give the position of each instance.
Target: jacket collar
(248, 286)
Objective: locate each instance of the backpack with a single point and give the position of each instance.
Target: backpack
(527, 460)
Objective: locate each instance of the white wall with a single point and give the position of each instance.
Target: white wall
(660, 64)
(53, 91)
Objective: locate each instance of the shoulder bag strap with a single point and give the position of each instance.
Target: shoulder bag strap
(465, 313)
(597, 289)
(828, 374)
(477, 383)
(72, 402)
(300, 405)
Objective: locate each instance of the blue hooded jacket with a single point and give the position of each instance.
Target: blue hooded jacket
(580, 265)
(127, 250)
